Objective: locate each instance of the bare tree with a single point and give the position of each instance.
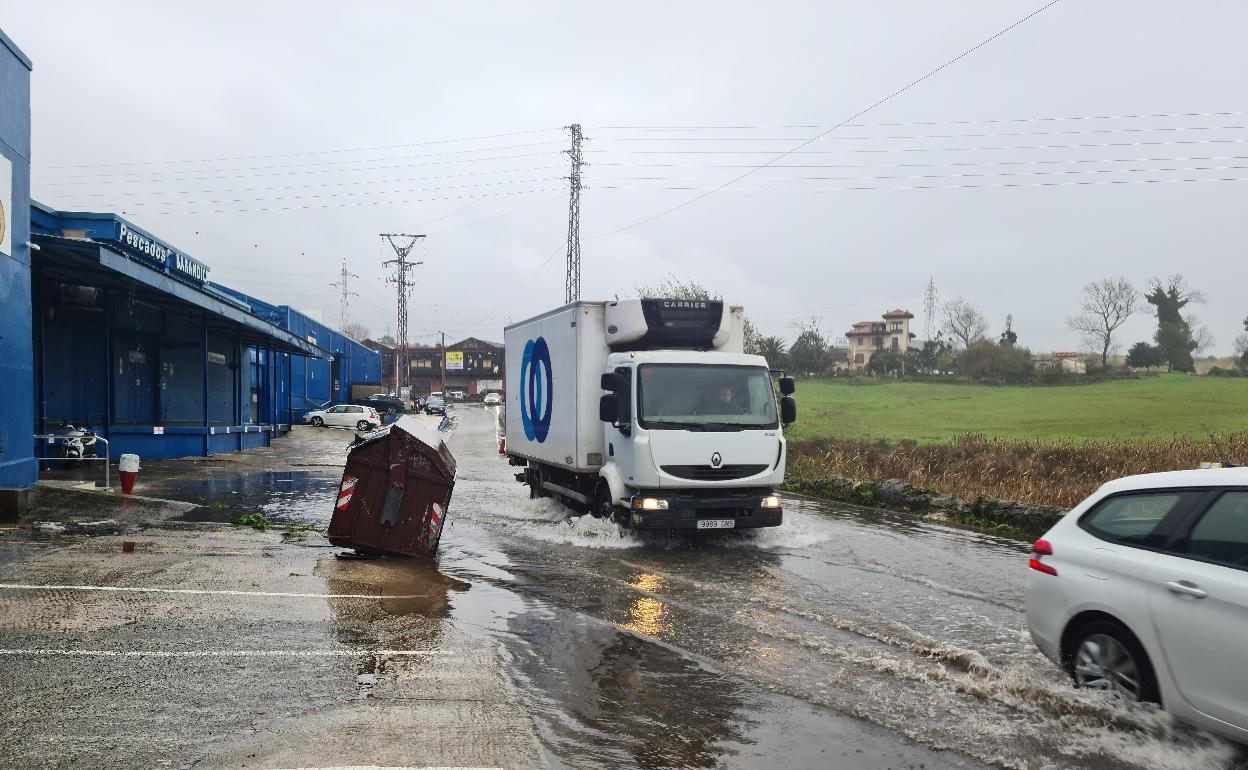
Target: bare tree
(1201, 336)
(356, 331)
(963, 322)
(1107, 304)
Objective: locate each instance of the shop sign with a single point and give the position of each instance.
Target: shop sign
(6, 206)
(454, 359)
(167, 256)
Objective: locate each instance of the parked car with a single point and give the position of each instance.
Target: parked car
(435, 405)
(492, 398)
(344, 416)
(1142, 590)
(382, 402)
(455, 395)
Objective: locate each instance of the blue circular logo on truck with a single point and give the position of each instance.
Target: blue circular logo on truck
(536, 390)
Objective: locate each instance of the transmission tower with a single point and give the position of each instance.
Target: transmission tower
(402, 284)
(344, 289)
(573, 283)
(930, 303)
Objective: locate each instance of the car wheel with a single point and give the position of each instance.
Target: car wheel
(1106, 656)
(317, 422)
(392, 410)
(363, 425)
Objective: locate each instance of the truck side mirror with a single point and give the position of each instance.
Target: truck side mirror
(788, 410)
(608, 409)
(787, 386)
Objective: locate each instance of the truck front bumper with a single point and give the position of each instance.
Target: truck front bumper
(685, 511)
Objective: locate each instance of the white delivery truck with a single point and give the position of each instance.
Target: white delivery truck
(647, 411)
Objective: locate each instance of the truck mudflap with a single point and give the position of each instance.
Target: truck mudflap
(704, 513)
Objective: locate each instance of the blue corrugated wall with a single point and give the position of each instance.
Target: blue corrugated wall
(311, 380)
(17, 456)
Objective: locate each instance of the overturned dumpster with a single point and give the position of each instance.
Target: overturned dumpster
(395, 491)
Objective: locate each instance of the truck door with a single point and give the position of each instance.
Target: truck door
(619, 442)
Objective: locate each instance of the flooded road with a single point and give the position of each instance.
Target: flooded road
(737, 650)
(846, 638)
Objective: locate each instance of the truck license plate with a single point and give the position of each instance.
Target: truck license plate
(716, 523)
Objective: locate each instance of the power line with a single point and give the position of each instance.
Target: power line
(342, 183)
(933, 165)
(932, 176)
(301, 154)
(261, 199)
(271, 209)
(848, 188)
(915, 137)
(58, 183)
(1157, 143)
(966, 122)
(853, 117)
(322, 163)
(496, 216)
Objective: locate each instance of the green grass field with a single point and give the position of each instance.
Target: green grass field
(1128, 410)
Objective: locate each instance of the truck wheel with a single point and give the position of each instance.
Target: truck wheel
(604, 506)
(535, 483)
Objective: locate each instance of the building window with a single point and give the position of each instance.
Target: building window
(858, 358)
(895, 326)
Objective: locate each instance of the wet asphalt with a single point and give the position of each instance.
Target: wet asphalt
(847, 638)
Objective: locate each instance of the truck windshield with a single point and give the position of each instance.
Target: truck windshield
(704, 397)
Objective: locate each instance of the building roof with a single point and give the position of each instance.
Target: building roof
(899, 314)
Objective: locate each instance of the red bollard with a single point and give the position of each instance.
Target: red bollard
(128, 469)
(502, 445)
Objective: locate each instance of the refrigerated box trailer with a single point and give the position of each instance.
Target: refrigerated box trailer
(647, 411)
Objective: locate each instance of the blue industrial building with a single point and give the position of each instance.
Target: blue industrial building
(104, 324)
(313, 381)
(132, 339)
(17, 458)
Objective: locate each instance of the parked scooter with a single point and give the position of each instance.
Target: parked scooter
(79, 442)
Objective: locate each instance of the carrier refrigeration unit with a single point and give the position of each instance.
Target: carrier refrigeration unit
(649, 412)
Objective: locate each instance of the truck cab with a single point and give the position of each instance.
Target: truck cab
(693, 441)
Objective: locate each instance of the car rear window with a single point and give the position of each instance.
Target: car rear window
(1221, 534)
(1136, 519)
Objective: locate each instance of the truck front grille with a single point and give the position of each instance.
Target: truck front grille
(710, 473)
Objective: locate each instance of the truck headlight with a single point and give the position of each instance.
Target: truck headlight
(649, 504)
(771, 501)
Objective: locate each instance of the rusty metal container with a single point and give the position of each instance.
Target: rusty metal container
(395, 492)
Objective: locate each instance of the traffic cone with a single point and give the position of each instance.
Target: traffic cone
(128, 469)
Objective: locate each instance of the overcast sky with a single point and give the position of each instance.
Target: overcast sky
(271, 140)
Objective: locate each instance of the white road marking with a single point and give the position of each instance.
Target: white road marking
(224, 653)
(377, 767)
(217, 592)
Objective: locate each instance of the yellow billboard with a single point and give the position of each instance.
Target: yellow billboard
(454, 359)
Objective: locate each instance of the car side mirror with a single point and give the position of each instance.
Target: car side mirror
(608, 409)
(787, 386)
(788, 410)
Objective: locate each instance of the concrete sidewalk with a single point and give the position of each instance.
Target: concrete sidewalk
(210, 645)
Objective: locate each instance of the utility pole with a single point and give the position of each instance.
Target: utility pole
(930, 303)
(572, 285)
(442, 365)
(344, 293)
(402, 284)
